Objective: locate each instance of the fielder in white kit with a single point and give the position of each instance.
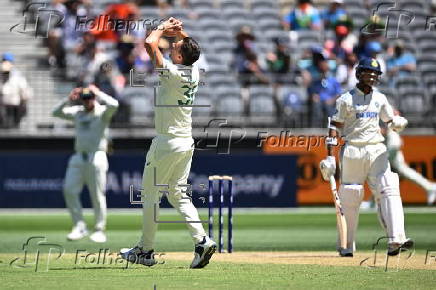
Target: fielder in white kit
(89, 164)
(396, 158)
(169, 159)
(364, 157)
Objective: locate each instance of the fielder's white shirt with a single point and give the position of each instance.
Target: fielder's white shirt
(361, 114)
(91, 127)
(173, 107)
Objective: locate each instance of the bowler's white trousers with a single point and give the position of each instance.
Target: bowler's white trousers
(88, 168)
(166, 173)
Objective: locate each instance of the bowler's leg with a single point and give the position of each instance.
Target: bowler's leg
(179, 199)
(155, 180)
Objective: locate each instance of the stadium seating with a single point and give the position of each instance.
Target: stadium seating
(215, 29)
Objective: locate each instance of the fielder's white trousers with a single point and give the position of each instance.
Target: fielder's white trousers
(400, 165)
(87, 169)
(165, 173)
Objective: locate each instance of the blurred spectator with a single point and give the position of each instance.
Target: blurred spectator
(247, 65)
(304, 17)
(126, 59)
(346, 72)
(90, 64)
(14, 94)
(86, 47)
(374, 49)
(246, 59)
(401, 63)
(64, 37)
(291, 109)
(53, 41)
(252, 72)
(318, 78)
(279, 61)
(244, 42)
(333, 14)
(344, 41)
(322, 95)
(372, 30)
(110, 81)
(72, 37)
(128, 10)
(310, 67)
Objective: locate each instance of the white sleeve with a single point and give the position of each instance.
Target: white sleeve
(64, 111)
(111, 105)
(341, 110)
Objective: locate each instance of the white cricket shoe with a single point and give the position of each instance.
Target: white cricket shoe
(78, 232)
(98, 237)
(137, 255)
(203, 252)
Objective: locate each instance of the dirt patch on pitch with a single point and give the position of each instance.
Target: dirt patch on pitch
(368, 259)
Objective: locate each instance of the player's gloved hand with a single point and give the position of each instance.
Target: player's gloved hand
(328, 167)
(398, 123)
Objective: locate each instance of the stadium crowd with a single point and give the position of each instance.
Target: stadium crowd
(312, 47)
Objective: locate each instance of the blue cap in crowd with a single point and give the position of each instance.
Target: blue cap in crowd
(8, 57)
(373, 47)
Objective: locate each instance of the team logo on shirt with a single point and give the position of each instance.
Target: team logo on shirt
(366, 115)
(376, 104)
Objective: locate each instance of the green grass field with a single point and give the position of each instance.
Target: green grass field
(255, 231)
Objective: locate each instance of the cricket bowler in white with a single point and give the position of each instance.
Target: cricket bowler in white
(364, 157)
(396, 158)
(89, 164)
(169, 159)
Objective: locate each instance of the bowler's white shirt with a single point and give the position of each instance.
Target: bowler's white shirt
(175, 96)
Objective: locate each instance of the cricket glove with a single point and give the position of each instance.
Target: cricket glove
(328, 167)
(398, 123)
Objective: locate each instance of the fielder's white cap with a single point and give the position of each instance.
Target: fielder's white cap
(338, 1)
